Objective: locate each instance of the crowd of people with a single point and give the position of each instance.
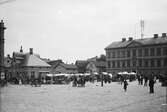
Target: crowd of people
(80, 81)
(148, 81)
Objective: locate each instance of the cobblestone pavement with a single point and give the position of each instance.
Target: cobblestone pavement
(92, 98)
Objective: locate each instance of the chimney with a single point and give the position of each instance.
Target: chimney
(31, 50)
(2, 25)
(155, 35)
(163, 34)
(8, 55)
(130, 38)
(21, 49)
(123, 39)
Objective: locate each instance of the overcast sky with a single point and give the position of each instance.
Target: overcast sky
(77, 29)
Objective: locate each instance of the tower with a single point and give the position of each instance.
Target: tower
(2, 42)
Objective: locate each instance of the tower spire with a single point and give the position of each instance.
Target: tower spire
(21, 49)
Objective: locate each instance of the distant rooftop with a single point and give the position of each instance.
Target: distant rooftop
(68, 66)
(29, 59)
(145, 41)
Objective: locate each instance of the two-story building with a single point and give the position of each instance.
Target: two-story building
(144, 56)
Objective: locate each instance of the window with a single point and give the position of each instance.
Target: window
(123, 63)
(146, 52)
(123, 54)
(134, 63)
(32, 74)
(152, 63)
(140, 63)
(165, 51)
(118, 54)
(134, 52)
(118, 64)
(159, 63)
(158, 51)
(152, 50)
(109, 65)
(165, 62)
(113, 54)
(146, 63)
(140, 52)
(128, 63)
(113, 64)
(128, 53)
(108, 54)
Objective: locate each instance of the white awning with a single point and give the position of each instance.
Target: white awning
(105, 73)
(132, 73)
(49, 75)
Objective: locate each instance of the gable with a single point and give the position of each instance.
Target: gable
(33, 60)
(134, 44)
(91, 66)
(59, 69)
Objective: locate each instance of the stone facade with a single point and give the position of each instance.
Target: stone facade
(143, 56)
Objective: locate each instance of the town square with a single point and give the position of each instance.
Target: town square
(91, 98)
(83, 56)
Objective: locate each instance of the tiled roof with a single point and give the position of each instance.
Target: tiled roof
(34, 61)
(54, 63)
(145, 41)
(81, 63)
(68, 66)
(152, 41)
(118, 44)
(27, 59)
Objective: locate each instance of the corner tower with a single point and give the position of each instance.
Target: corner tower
(2, 42)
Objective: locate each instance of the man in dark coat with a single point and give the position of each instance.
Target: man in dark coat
(125, 85)
(151, 85)
(145, 80)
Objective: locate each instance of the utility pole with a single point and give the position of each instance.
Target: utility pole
(101, 74)
(142, 28)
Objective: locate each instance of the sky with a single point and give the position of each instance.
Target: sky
(77, 29)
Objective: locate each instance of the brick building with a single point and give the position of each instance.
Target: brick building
(144, 56)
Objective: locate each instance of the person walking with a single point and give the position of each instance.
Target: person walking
(125, 84)
(151, 85)
(141, 79)
(74, 81)
(145, 80)
(20, 81)
(138, 78)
